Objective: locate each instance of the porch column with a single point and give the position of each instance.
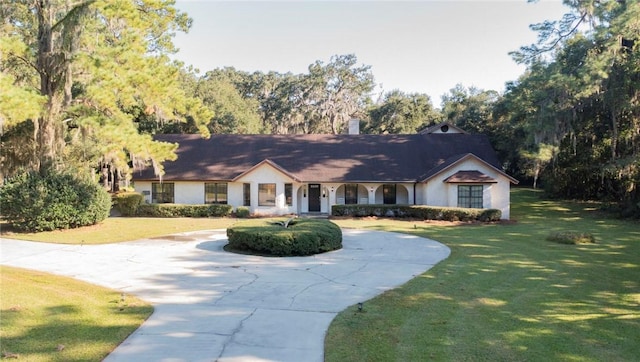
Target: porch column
(371, 189)
(331, 190)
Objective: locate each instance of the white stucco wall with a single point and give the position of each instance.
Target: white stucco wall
(265, 173)
(495, 195)
(191, 192)
(143, 187)
(435, 192)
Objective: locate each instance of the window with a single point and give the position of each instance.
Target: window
(389, 193)
(288, 194)
(246, 194)
(351, 194)
(266, 194)
(470, 196)
(215, 193)
(162, 193)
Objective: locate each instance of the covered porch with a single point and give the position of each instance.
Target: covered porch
(318, 198)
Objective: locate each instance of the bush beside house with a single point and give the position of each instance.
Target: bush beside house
(127, 203)
(179, 210)
(131, 204)
(34, 202)
(418, 212)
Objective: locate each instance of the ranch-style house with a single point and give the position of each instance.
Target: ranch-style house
(308, 173)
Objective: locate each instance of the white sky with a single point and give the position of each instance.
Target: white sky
(420, 46)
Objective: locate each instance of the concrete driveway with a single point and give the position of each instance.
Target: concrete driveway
(211, 305)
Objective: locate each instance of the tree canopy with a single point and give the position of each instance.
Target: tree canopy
(79, 68)
(86, 84)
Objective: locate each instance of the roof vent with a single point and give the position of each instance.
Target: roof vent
(444, 128)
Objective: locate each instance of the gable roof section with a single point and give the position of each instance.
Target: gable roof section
(320, 158)
(457, 159)
(442, 128)
(270, 163)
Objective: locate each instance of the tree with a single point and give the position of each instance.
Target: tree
(401, 113)
(469, 108)
(233, 113)
(337, 92)
(580, 98)
(91, 61)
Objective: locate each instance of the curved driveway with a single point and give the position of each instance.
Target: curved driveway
(211, 305)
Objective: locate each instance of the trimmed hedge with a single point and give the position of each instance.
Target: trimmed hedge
(180, 210)
(572, 238)
(301, 237)
(34, 202)
(127, 203)
(418, 212)
(243, 212)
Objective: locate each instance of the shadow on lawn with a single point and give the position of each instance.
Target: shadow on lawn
(506, 293)
(63, 335)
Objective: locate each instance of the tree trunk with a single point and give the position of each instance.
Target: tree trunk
(614, 134)
(44, 128)
(55, 83)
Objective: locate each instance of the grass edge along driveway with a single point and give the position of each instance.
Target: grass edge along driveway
(506, 293)
(45, 317)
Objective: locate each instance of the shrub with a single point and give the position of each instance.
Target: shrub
(34, 202)
(180, 210)
(571, 237)
(127, 202)
(490, 215)
(243, 212)
(301, 237)
(418, 212)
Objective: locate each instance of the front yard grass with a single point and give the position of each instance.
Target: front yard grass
(506, 293)
(118, 229)
(50, 318)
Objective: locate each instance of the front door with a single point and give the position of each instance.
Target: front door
(314, 197)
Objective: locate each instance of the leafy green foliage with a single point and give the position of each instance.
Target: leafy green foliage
(179, 210)
(76, 69)
(418, 212)
(338, 90)
(571, 237)
(242, 212)
(576, 108)
(469, 108)
(400, 113)
(300, 237)
(127, 202)
(33, 202)
(490, 215)
(232, 112)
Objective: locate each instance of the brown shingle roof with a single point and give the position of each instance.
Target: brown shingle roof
(320, 158)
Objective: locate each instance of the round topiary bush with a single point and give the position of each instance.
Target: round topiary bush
(34, 202)
(293, 237)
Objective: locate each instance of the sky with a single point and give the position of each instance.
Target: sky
(423, 46)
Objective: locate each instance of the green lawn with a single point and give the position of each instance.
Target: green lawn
(117, 229)
(506, 293)
(50, 318)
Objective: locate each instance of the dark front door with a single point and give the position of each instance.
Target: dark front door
(314, 197)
